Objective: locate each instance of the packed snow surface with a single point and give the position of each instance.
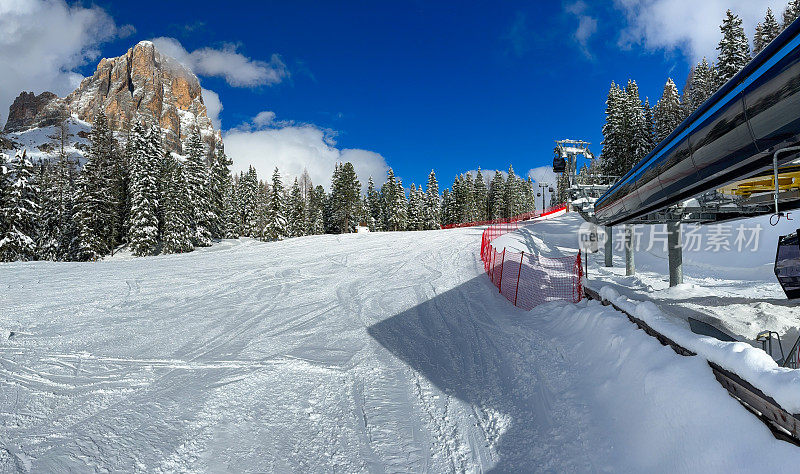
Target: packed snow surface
(363, 352)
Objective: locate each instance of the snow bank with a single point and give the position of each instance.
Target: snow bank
(753, 365)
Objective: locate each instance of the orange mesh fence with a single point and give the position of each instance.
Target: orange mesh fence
(529, 280)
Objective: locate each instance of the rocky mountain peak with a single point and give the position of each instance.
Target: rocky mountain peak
(140, 83)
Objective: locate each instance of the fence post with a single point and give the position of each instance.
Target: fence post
(494, 254)
(516, 293)
(503, 259)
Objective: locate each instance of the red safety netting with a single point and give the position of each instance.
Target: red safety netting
(529, 280)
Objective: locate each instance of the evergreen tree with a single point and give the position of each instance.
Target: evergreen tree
(432, 206)
(758, 41)
(219, 187)
(614, 139)
(394, 203)
(667, 113)
(197, 187)
(262, 211)
(231, 213)
(635, 127)
(276, 227)
(5, 197)
(649, 128)
(20, 212)
(316, 205)
(298, 221)
(791, 13)
(769, 30)
(734, 49)
(496, 196)
(345, 198)
(248, 209)
(143, 233)
(416, 212)
(373, 207)
(480, 193)
(448, 208)
(177, 213)
(96, 209)
(511, 194)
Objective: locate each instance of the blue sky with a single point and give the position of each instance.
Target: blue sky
(415, 85)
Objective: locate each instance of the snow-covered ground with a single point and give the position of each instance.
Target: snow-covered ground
(727, 283)
(363, 352)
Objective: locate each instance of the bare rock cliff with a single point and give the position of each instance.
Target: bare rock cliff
(141, 83)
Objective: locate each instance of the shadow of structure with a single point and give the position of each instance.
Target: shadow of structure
(497, 362)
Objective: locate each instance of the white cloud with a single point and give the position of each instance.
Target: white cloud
(587, 25)
(293, 148)
(264, 118)
(213, 106)
(42, 42)
(689, 26)
(237, 69)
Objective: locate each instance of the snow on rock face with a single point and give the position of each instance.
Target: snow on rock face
(142, 81)
(42, 143)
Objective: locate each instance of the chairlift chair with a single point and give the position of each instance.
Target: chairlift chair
(787, 264)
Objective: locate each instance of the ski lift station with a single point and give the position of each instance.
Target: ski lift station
(736, 156)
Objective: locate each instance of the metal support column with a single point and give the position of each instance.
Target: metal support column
(675, 252)
(630, 268)
(609, 250)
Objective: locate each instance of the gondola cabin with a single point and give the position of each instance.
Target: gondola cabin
(787, 264)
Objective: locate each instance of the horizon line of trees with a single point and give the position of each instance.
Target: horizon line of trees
(155, 202)
(633, 127)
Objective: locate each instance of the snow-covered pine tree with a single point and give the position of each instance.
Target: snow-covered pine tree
(432, 207)
(164, 162)
(197, 186)
(496, 201)
(758, 42)
(530, 195)
(512, 196)
(457, 195)
(95, 206)
(770, 30)
(470, 206)
(276, 227)
(447, 208)
(20, 212)
(667, 113)
(399, 215)
(734, 48)
(388, 201)
(297, 218)
(5, 194)
(231, 213)
(372, 202)
(316, 205)
(791, 13)
(346, 198)
(263, 196)
(635, 128)
(614, 134)
(219, 186)
(177, 213)
(649, 127)
(248, 190)
(145, 168)
(480, 193)
(416, 208)
(704, 83)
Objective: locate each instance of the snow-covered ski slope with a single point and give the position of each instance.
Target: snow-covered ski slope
(363, 352)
